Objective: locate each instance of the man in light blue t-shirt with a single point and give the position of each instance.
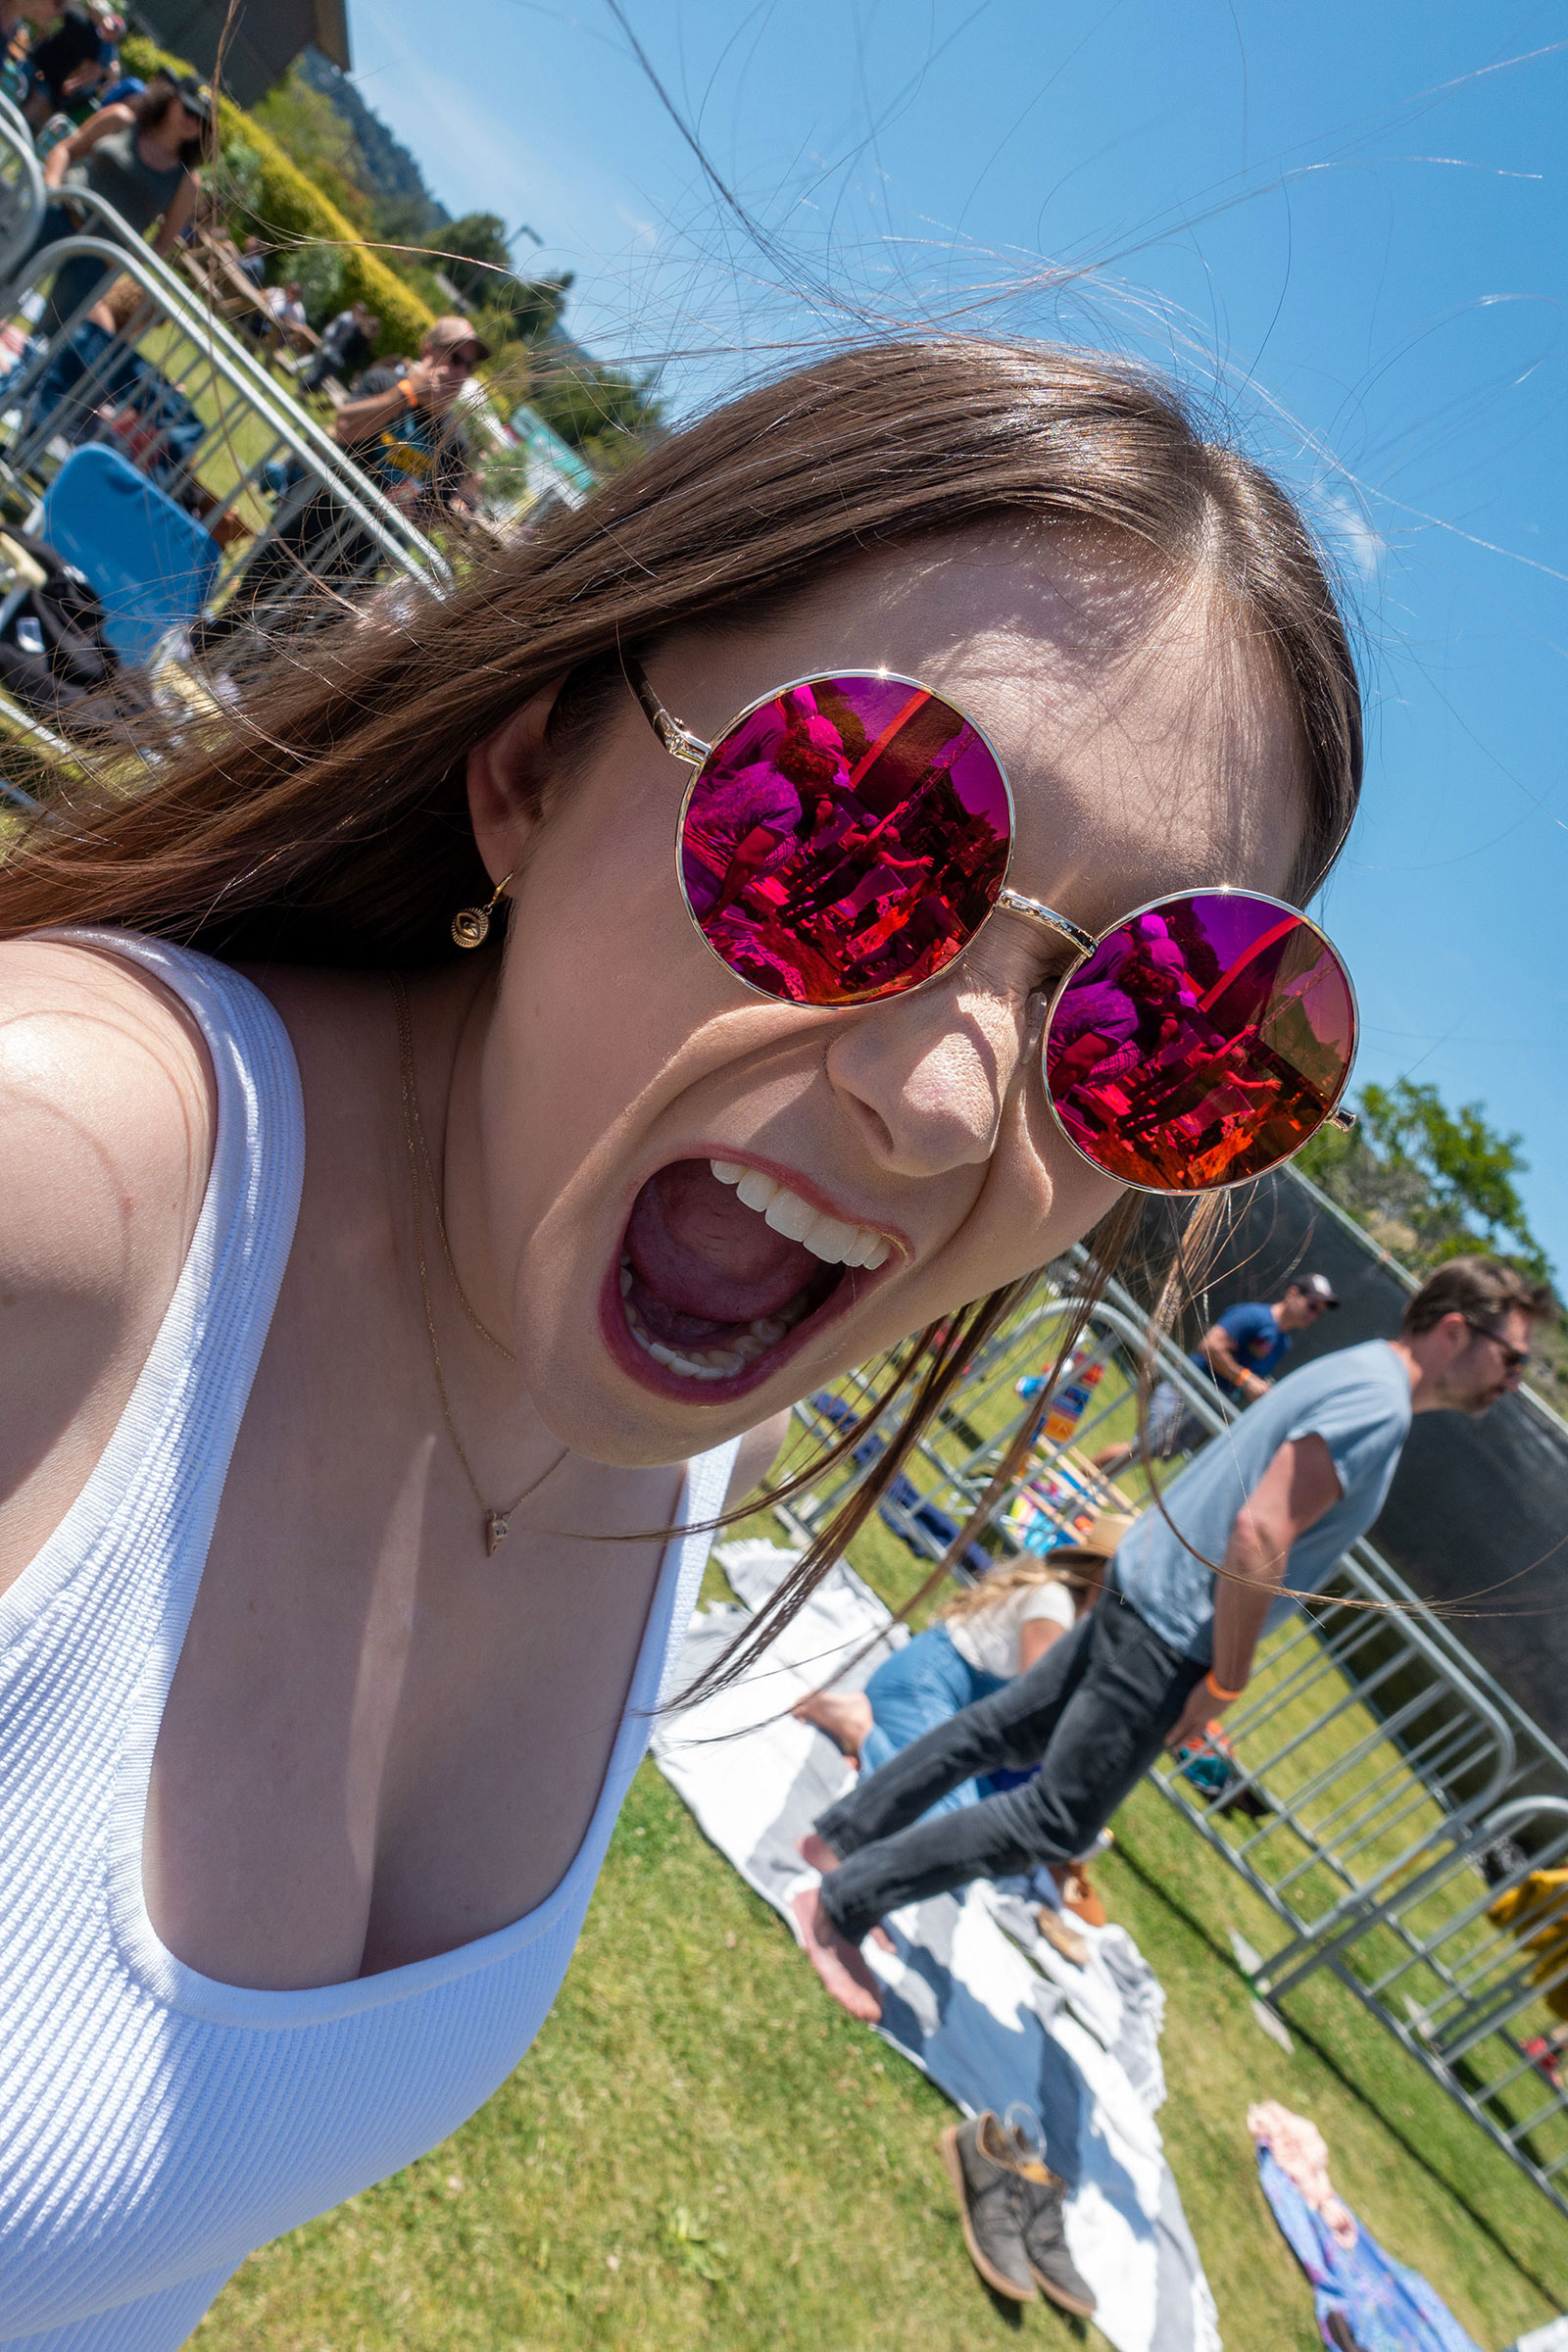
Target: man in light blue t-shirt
(1257, 1520)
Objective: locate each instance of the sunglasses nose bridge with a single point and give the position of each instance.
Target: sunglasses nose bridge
(1046, 918)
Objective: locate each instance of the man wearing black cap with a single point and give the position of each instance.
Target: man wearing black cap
(1240, 1352)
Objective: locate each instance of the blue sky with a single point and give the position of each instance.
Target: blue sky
(1347, 225)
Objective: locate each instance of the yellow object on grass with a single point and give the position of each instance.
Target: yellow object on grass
(1536, 1911)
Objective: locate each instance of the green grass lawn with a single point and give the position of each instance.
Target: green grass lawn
(701, 2149)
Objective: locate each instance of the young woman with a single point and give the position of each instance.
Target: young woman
(142, 158)
(376, 1301)
(994, 1629)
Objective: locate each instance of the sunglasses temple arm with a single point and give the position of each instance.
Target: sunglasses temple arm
(677, 740)
(1344, 1120)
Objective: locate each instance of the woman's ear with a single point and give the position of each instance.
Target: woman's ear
(507, 777)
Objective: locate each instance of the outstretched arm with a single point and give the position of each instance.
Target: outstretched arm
(1298, 1486)
(70, 151)
(1217, 1346)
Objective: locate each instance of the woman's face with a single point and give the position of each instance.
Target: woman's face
(1150, 749)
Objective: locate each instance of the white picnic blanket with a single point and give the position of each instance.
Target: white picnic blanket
(973, 1995)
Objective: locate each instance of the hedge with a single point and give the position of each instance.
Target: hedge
(286, 205)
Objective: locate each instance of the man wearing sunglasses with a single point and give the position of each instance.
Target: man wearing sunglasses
(1257, 1521)
(1241, 1352)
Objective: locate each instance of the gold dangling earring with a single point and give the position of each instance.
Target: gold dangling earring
(471, 925)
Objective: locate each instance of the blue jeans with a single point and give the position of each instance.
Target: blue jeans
(920, 1686)
(80, 279)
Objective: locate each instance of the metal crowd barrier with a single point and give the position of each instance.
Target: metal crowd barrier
(1471, 1991)
(195, 409)
(1369, 1740)
(23, 196)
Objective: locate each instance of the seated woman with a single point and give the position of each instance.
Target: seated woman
(143, 160)
(981, 1639)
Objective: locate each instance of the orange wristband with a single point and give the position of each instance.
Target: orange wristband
(1218, 1689)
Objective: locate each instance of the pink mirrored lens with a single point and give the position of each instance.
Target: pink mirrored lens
(1203, 1041)
(845, 841)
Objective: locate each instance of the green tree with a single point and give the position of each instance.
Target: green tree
(473, 253)
(610, 416)
(1429, 1183)
(522, 309)
(401, 220)
(309, 129)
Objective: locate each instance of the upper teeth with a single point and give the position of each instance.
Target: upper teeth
(826, 1236)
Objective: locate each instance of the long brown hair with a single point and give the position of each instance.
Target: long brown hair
(152, 109)
(1021, 1575)
(324, 818)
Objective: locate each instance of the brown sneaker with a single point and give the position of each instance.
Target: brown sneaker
(1060, 1937)
(1077, 1894)
(983, 2167)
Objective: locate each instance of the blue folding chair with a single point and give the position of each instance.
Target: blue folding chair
(151, 563)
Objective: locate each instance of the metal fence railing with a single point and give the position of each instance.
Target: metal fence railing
(1370, 1747)
(196, 414)
(298, 525)
(22, 190)
(1360, 1742)
(1466, 1963)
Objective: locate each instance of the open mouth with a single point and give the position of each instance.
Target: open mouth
(721, 1269)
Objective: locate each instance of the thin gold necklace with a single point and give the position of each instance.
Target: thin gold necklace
(497, 1523)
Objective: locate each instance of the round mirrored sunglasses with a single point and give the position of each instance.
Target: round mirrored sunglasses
(845, 839)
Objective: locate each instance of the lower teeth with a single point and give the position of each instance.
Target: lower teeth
(711, 1364)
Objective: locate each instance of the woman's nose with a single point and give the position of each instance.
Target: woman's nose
(925, 1077)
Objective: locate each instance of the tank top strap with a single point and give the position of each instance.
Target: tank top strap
(708, 1477)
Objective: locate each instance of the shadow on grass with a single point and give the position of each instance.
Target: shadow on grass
(1355, 2083)
(1009, 2312)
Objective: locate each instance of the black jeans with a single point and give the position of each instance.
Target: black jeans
(1093, 1714)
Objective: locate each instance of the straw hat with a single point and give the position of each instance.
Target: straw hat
(1100, 1540)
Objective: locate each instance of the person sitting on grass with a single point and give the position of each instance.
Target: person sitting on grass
(994, 1629)
(347, 344)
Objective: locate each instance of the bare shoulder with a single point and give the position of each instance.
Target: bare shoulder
(107, 1114)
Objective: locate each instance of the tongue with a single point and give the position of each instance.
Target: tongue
(700, 1251)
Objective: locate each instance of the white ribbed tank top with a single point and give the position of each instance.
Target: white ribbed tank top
(156, 2125)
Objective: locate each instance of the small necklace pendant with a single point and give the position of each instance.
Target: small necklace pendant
(495, 1531)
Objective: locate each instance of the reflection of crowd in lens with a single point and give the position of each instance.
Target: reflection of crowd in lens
(1176, 1076)
(826, 865)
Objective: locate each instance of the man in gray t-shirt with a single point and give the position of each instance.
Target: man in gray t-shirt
(1357, 1404)
(1261, 1516)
